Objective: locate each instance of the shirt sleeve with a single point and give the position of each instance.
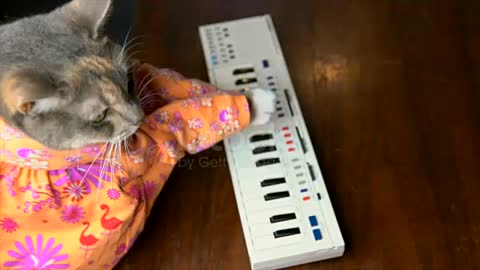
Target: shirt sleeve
(170, 85)
(193, 125)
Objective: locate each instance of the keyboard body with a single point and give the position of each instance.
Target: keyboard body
(284, 206)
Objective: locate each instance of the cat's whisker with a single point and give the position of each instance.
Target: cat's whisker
(104, 168)
(127, 57)
(125, 45)
(91, 165)
(136, 44)
(149, 96)
(143, 87)
(112, 168)
(120, 55)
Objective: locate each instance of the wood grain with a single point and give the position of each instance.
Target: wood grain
(390, 92)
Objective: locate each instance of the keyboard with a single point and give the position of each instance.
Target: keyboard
(284, 206)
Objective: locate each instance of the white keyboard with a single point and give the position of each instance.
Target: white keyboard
(286, 213)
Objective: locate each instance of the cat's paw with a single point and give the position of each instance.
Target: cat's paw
(262, 106)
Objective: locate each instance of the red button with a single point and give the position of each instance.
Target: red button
(290, 142)
(306, 198)
(291, 149)
(285, 128)
(288, 135)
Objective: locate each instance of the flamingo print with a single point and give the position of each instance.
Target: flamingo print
(87, 240)
(109, 224)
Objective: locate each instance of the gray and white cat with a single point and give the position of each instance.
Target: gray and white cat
(65, 84)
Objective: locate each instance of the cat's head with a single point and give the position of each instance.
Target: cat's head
(63, 82)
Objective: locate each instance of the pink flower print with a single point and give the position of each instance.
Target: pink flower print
(150, 190)
(73, 158)
(172, 148)
(163, 177)
(36, 255)
(195, 123)
(150, 152)
(10, 178)
(6, 153)
(161, 118)
(165, 94)
(146, 190)
(33, 163)
(73, 214)
(91, 174)
(26, 153)
(123, 181)
(76, 190)
(136, 192)
(193, 103)
(121, 249)
(9, 225)
(177, 124)
(151, 123)
(200, 89)
(206, 101)
(137, 157)
(195, 146)
(224, 129)
(93, 150)
(228, 114)
(113, 194)
(9, 133)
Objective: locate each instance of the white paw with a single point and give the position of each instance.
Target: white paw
(262, 105)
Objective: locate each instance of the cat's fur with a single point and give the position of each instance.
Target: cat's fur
(60, 75)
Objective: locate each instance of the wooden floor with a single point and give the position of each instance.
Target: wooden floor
(390, 92)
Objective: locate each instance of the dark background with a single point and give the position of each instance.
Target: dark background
(123, 13)
(390, 93)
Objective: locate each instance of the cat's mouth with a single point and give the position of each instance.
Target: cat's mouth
(125, 135)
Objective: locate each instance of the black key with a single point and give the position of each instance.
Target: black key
(302, 141)
(286, 232)
(267, 161)
(262, 137)
(277, 195)
(289, 101)
(273, 182)
(239, 71)
(312, 172)
(246, 81)
(264, 149)
(283, 217)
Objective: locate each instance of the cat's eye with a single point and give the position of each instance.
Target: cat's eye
(100, 117)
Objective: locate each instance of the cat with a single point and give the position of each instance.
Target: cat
(68, 200)
(64, 83)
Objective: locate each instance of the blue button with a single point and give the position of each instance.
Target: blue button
(317, 234)
(304, 190)
(313, 221)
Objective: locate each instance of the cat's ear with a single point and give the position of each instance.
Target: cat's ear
(29, 93)
(91, 14)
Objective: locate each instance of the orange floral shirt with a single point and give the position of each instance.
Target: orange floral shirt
(83, 209)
